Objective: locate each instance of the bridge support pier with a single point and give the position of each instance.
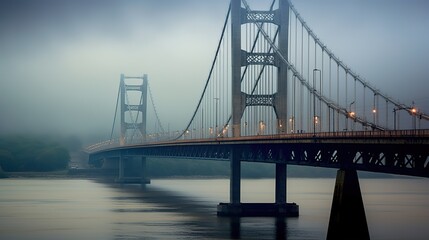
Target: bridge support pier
(347, 220)
(235, 179)
(237, 209)
(281, 178)
(121, 169)
(143, 177)
(128, 170)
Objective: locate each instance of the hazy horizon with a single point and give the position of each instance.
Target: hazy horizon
(61, 60)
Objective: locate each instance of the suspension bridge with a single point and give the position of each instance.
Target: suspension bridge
(276, 93)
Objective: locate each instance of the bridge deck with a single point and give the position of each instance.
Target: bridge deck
(402, 152)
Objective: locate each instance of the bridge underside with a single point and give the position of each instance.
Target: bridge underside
(391, 155)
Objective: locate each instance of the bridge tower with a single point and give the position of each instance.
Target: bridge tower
(241, 58)
(136, 122)
(240, 100)
(133, 118)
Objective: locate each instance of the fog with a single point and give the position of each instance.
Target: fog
(60, 61)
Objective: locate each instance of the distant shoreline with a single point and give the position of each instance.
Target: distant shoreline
(64, 174)
(54, 174)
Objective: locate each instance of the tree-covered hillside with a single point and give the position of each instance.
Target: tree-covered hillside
(29, 153)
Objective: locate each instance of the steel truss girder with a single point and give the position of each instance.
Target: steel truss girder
(259, 16)
(260, 100)
(402, 159)
(131, 107)
(210, 152)
(397, 159)
(133, 87)
(132, 126)
(248, 58)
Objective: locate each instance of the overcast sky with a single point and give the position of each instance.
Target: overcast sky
(60, 61)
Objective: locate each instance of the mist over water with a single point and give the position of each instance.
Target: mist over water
(186, 209)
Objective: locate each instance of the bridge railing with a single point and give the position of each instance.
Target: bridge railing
(102, 145)
(419, 133)
(412, 133)
(350, 134)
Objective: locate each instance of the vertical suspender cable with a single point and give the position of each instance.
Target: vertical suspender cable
(387, 118)
(338, 96)
(330, 93)
(114, 117)
(314, 85)
(301, 118)
(210, 73)
(309, 123)
(364, 103)
(321, 92)
(355, 103)
(346, 102)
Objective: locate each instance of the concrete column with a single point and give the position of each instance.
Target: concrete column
(281, 178)
(144, 177)
(235, 178)
(236, 67)
(143, 169)
(347, 220)
(121, 168)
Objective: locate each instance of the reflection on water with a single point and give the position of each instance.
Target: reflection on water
(186, 209)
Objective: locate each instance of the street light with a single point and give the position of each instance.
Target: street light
(394, 116)
(202, 122)
(411, 110)
(217, 100)
(351, 106)
(261, 127)
(225, 131)
(374, 115)
(351, 114)
(292, 124)
(317, 121)
(314, 98)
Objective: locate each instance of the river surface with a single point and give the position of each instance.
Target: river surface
(186, 209)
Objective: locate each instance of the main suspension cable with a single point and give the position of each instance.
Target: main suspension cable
(154, 109)
(303, 81)
(116, 111)
(210, 74)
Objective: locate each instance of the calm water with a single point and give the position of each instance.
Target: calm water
(186, 209)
